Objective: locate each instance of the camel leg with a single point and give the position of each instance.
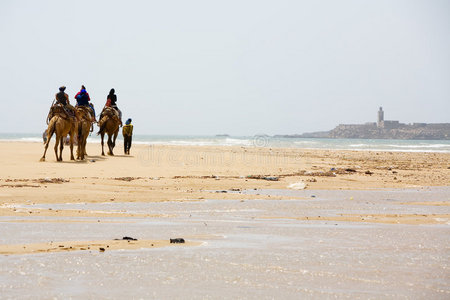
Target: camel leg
(77, 129)
(49, 136)
(110, 152)
(85, 141)
(81, 141)
(102, 136)
(114, 139)
(82, 148)
(78, 145)
(61, 147)
(85, 144)
(71, 146)
(113, 142)
(56, 147)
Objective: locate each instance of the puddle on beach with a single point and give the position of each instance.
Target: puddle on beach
(243, 254)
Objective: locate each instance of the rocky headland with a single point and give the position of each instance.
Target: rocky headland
(415, 131)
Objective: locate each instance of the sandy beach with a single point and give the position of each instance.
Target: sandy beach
(194, 173)
(225, 200)
(177, 173)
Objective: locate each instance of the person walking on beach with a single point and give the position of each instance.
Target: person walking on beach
(127, 132)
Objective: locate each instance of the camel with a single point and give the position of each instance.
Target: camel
(109, 123)
(61, 124)
(83, 114)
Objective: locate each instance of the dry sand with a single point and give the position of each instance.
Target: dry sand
(174, 173)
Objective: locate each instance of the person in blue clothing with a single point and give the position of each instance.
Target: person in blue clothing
(83, 99)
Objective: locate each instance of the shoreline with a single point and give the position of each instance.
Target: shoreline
(414, 146)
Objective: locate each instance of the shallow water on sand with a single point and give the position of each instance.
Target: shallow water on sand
(250, 249)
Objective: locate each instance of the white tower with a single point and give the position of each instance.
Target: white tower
(380, 122)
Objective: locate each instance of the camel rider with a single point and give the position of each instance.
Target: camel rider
(111, 100)
(83, 99)
(63, 99)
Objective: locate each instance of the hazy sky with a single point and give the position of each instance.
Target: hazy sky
(236, 67)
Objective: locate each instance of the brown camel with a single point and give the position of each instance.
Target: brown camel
(61, 124)
(84, 117)
(109, 123)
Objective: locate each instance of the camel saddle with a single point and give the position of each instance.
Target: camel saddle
(109, 113)
(61, 111)
(84, 113)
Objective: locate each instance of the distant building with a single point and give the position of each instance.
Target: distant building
(387, 124)
(380, 121)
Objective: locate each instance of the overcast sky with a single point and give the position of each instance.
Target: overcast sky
(236, 67)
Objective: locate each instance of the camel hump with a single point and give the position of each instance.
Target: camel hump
(83, 108)
(84, 112)
(58, 110)
(111, 113)
(110, 118)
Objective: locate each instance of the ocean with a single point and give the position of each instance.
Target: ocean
(438, 146)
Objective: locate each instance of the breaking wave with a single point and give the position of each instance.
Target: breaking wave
(266, 141)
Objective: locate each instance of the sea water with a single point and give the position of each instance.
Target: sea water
(439, 146)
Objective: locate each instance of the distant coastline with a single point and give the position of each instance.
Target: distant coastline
(382, 129)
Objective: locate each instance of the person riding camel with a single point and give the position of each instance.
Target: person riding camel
(63, 99)
(111, 100)
(83, 99)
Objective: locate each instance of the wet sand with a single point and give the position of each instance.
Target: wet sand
(256, 248)
(101, 246)
(350, 233)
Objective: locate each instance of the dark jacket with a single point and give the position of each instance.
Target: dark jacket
(113, 99)
(82, 99)
(61, 97)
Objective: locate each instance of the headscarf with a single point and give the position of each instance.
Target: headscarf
(128, 122)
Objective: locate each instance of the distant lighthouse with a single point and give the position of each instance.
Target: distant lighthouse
(380, 122)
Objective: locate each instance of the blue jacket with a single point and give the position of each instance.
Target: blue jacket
(83, 100)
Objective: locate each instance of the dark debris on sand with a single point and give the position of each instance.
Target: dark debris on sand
(177, 241)
(127, 178)
(126, 238)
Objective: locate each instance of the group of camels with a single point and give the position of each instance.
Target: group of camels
(61, 124)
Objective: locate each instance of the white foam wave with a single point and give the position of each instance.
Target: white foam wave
(244, 142)
(199, 142)
(342, 144)
(305, 142)
(421, 146)
(29, 140)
